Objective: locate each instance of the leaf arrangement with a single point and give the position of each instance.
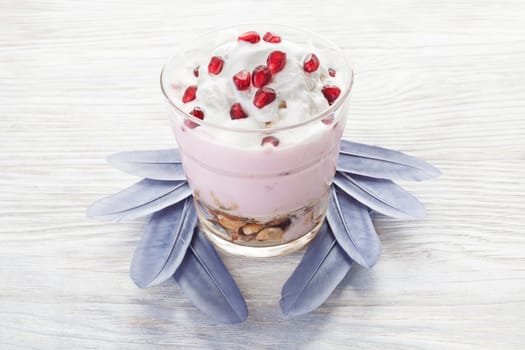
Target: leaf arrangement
(174, 246)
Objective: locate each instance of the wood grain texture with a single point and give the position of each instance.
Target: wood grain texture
(442, 80)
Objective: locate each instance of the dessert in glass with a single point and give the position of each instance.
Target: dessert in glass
(258, 113)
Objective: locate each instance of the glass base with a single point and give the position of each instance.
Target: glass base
(261, 252)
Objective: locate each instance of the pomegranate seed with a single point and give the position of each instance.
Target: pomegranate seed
(276, 61)
(196, 71)
(189, 94)
(242, 80)
(261, 76)
(197, 113)
(236, 111)
(328, 120)
(215, 65)
(331, 93)
(274, 141)
(271, 38)
(251, 37)
(331, 72)
(190, 124)
(264, 96)
(310, 63)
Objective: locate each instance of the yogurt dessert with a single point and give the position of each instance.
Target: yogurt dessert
(258, 116)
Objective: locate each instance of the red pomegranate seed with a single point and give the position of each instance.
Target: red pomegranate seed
(261, 76)
(196, 71)
(331, 93)
(271, 38)
(274, 141)
(276, 61)
(263, 97)
(242, 80)
(215, 65)
(197, 113)
(236, 111)
(331, 72)
(310, 63)
(189, 94)
(251, 37)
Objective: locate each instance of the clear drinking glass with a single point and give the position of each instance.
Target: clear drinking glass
(259, 200)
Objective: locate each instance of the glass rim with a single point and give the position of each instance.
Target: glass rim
(319, 116)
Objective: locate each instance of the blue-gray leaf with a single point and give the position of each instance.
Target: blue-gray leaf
(378, 162)
(141, 199)
(164, 243)
(353, 228)
(381, 195)
(164, 164)
(323, 267)
(208, 284)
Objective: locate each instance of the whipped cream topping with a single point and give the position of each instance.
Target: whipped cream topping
(299, 94)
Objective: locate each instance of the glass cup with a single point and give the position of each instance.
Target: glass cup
(269, 196)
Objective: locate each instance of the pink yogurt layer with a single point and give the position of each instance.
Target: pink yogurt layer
(263, 181)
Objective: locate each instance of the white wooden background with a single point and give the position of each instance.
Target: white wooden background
(443, 80)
